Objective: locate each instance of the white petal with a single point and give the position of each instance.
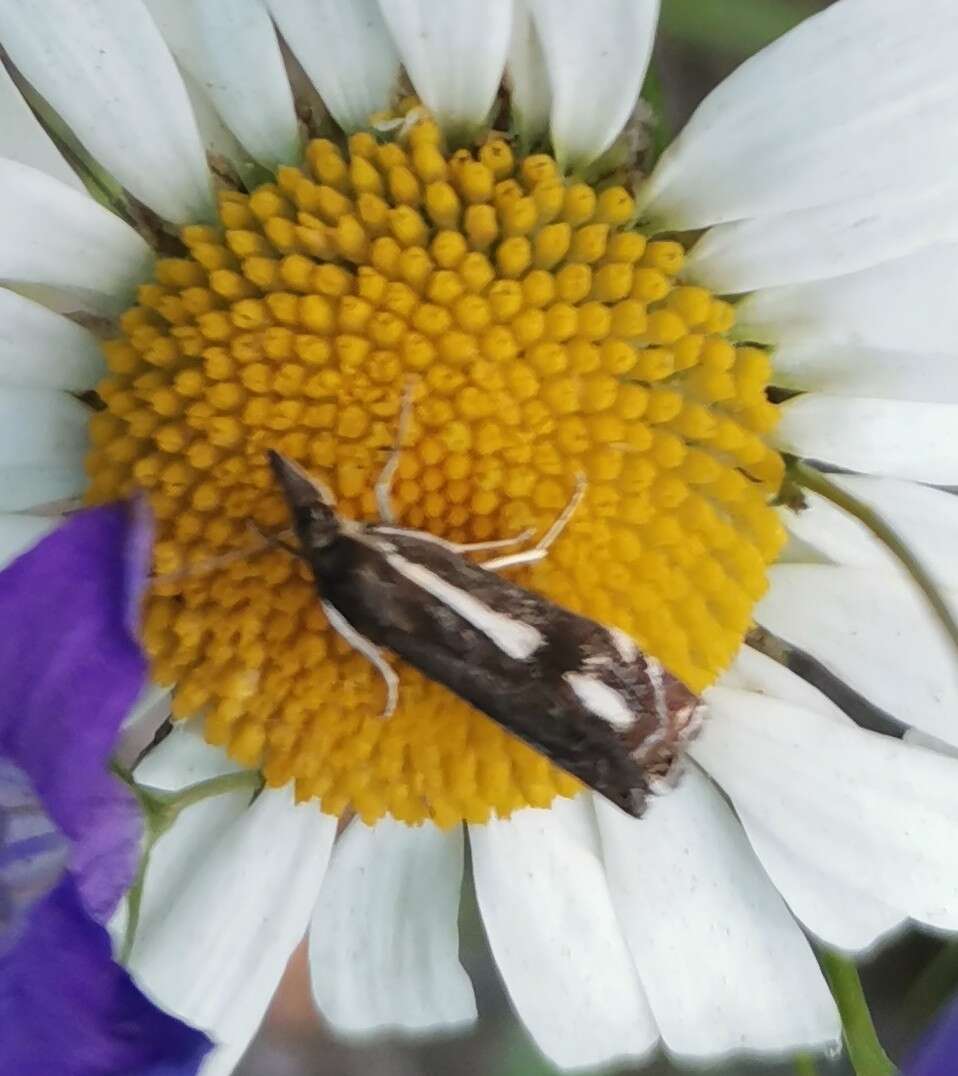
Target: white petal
(923, 739)
(724, 965)
(41, 349)
(454, 53)
(531, 97)
(346, 51)
(56, 236)
(866, 370)
(596, 55)
(756, 672)
(553, 932)
(41, 427)
(901, 305)
(869, 812)
(925, 519)
(874, 630)
(856, 101)
(142, 723)
(237, 904)
(23, 139)
(33, 487)
(846, 920)
(184, 758)
(823, 241)
(384, 939)
(18, 533)
(245, 76)
(901, 439)
(842, 917)
(103, 66)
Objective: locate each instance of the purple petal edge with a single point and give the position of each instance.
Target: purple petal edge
(70, 670)
(938, 1053)
(67, 1008)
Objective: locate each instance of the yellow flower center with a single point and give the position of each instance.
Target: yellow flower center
(548, 338)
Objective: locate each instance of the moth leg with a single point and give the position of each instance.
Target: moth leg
(497, 543)
(514, 560)
(370, 651)
(541, 548)
(384, 483)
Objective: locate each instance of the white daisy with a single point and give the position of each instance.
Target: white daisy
(815, 185)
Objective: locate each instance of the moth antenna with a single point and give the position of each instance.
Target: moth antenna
(211, 564)
(385, 480)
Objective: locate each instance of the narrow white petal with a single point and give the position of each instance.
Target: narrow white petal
(925, 519)
(245, 76)
(41, 427)
(346, 51)
(898, 438)
(41, 349)
(531, 98)
(686, 883)
(215, 952)
(872, 814)
(23, 139)
(823, 241)
(873, 629)
(454, 53)
(384, 938)
(840, 369)
(104, 67)
(57, 237)
(901, 305)
(596, 55)
(827, 113)
(18, 533)
(35, 486)
(552, 928)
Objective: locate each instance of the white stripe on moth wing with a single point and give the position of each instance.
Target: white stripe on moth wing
(513, 637)
(625, 644)
(656, 675)
(604, 701)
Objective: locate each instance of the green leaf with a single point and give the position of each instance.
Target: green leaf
(739, 27)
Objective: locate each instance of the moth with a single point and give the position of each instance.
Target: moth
(581, 694)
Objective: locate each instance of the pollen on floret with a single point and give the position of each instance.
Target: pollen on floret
(546, 339)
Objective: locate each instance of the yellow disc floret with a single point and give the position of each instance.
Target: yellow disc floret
(546, 338)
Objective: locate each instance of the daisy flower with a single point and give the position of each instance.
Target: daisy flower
(283, 236)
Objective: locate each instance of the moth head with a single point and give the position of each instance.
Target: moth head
(311, 505)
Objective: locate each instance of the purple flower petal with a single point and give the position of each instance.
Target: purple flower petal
(66, 1008)
(70, 670)
(33, 852)
(938, 1054)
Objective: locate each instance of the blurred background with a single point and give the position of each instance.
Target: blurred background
(699, 43)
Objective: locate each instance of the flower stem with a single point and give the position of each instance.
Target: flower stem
(805, 1065)
(134, 900)
(160, 810)
(865, 1052)
(812, 479)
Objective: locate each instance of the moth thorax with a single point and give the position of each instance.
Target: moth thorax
(316, 526)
